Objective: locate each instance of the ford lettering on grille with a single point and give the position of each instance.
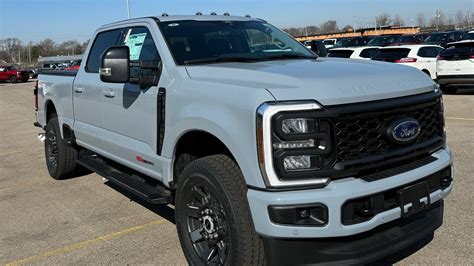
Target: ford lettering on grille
(404, 130)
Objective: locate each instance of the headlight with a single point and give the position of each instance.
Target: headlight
(293, 144)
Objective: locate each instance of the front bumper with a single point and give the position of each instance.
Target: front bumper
(334, 196)
(388, 241)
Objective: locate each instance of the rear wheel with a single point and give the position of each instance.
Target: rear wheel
(448, 90)
(13, 79)
(61, 159)
(213, 216)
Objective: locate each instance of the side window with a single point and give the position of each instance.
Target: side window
(142, 48)
(429, 52)
(369, 53)
(141, 44)
(422, 52)
(103, 41)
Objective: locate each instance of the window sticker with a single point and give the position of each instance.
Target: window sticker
(135, 43)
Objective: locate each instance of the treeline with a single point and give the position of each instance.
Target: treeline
(439, 21)
(13, 50)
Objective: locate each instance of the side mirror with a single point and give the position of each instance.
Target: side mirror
(115, 65)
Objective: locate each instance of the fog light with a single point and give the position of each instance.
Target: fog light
(315, 214)
(301, 162)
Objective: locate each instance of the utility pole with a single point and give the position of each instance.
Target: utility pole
(29, 54)
(128, 9)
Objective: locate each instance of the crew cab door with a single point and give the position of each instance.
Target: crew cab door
(88, 94)
(130, 113)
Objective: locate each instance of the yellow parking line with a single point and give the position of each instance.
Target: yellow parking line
(85, 244)
(460, 118)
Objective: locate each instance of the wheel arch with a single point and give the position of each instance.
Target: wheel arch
(49, 109)
(198, 143)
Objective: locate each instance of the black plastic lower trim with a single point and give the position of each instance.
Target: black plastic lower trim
(382, 242)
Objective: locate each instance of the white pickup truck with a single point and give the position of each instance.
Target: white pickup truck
(269, 154)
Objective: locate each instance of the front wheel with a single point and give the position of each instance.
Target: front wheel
(213, 216)
(13, 79)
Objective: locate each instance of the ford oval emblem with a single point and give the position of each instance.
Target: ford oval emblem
(404, 130)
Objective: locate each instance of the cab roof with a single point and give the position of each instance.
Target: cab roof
(169, 18)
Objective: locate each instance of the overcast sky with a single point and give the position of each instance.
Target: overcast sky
(60, 20)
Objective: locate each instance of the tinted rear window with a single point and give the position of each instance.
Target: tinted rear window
(340, 53)
(460, 50)
(391, 55)
(369, 52)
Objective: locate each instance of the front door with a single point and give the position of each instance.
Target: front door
(130, 112)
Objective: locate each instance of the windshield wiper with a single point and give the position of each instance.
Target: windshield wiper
(219, 59)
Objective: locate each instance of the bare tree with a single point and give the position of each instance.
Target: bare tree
(347, 28)
(398, 21)
(383, 19)
(459, 18)
(329, 26)
(420, 19)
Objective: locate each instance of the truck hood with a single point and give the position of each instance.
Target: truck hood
(328, 80)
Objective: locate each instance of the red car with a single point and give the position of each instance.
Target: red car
(74, 65)
(13, 74)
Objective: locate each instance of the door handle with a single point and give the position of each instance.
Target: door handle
(78, 90)
(109, 94)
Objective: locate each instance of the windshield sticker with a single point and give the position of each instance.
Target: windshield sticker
(135, 43)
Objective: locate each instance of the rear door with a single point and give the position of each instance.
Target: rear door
(87, 93)
(130, 112)
(427, 59)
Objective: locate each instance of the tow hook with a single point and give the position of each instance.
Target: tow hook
(41, 137)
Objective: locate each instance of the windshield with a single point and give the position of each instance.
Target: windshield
(382, 40)
(440, 37)
(345, 42)
(193, 42)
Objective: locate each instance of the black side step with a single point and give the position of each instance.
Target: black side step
(125, 178)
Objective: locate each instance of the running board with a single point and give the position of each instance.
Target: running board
(129, 180)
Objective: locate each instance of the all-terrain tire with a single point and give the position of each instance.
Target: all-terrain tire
(61, 159)
(218, 181)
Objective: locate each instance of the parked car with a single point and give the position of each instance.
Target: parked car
(383, 40)
(33, 72)
(317, 47)
(363, 52)
(351, 42)
(471, 34)
(329, 43)
(13, 74)
(455, 66)
(419, 56)
(443, 38)
(74, 65)
(409, 39)
(269, 154)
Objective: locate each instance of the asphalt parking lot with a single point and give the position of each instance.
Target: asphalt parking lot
(84, 221)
